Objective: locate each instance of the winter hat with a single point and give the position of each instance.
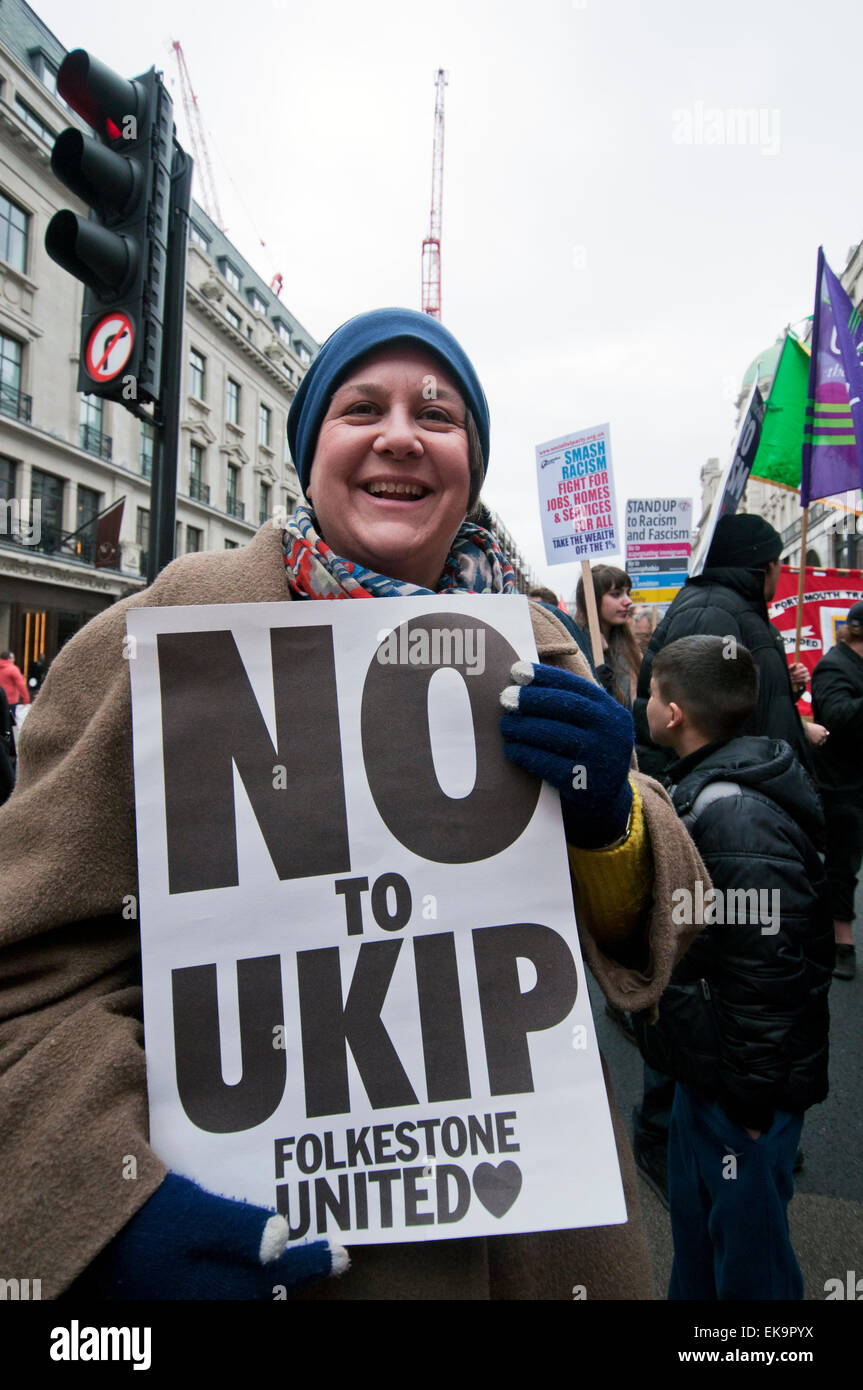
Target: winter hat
(855, 614)
(743, 542)
(356, 339)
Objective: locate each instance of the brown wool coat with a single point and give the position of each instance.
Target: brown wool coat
(74, 1158)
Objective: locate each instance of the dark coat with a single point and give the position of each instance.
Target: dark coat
(7, 750)
(745, 1016)
(837, 702)
(726, 603)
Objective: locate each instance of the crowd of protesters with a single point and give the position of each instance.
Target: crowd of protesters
(774, 805)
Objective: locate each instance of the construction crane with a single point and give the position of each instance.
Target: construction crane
(431, 245)
(199, 143)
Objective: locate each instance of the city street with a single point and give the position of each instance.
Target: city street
(826, 1213)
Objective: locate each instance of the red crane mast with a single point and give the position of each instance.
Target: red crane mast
(431, 295)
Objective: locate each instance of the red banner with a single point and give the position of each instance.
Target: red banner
(827, 596)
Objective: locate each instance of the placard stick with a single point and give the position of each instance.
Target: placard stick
(801, 586)
(592, 614)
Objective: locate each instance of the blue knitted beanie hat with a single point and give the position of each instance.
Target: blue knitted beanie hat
(356, 339)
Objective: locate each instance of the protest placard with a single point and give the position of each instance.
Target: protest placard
(827, 596)
(364, 999)
(576, 496)
(733, 483)
(658, 546)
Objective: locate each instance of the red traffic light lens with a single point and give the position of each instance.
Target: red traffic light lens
(103, 98)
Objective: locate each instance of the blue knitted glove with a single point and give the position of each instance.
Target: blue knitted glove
(188, 1243)
(570, 733)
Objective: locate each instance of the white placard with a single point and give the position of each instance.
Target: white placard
(658, 526)
(576, 496)
(364, 998)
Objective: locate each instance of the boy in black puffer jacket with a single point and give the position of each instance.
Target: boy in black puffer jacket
(743, 1025)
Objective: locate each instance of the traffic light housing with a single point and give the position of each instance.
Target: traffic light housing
(120, 252)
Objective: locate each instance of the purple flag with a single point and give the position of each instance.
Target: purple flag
(832, 459)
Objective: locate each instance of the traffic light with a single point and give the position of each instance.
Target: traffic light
(120, 253)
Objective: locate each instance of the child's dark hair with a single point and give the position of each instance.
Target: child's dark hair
(714, 681)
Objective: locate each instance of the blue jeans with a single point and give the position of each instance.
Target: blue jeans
(728, 1196)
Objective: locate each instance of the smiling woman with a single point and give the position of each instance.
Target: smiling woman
(389, 431)
(391, 476)
(392, 421)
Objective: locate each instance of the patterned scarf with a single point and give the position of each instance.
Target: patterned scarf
(474, 565)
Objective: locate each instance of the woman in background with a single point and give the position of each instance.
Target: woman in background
(619, 673)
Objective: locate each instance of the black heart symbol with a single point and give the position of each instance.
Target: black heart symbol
(497, 1188)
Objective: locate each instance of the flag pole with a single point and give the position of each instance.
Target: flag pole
(802, 582)
(592, 613)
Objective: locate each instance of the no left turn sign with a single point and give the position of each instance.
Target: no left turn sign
(110, 346)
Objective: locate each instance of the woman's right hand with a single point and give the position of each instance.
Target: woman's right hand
(187, 1243)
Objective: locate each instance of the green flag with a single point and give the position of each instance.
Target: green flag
(779, 451)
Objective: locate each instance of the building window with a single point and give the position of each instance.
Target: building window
(92, 437)
(197, 487)
(233, 318)
(265, 416)
(197, 373)
(45, 70)
(283, 332)
(14, 224)
(197, 237)
(233, 505)
(232, 402)
(303, 353)
(264, 498)
(12, 399)
(848, 551)
(47, 490)
(258, 304)
(142, 535)
(34, 121)
(232, 545)
(194, 539)
(7, 479)
(231, 275)
(88, 506)
(148, 441)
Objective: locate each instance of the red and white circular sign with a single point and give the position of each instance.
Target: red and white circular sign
(109, 346)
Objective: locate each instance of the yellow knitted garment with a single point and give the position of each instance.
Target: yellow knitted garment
(613, 887)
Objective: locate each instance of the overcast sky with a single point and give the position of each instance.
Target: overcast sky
(604, 257)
